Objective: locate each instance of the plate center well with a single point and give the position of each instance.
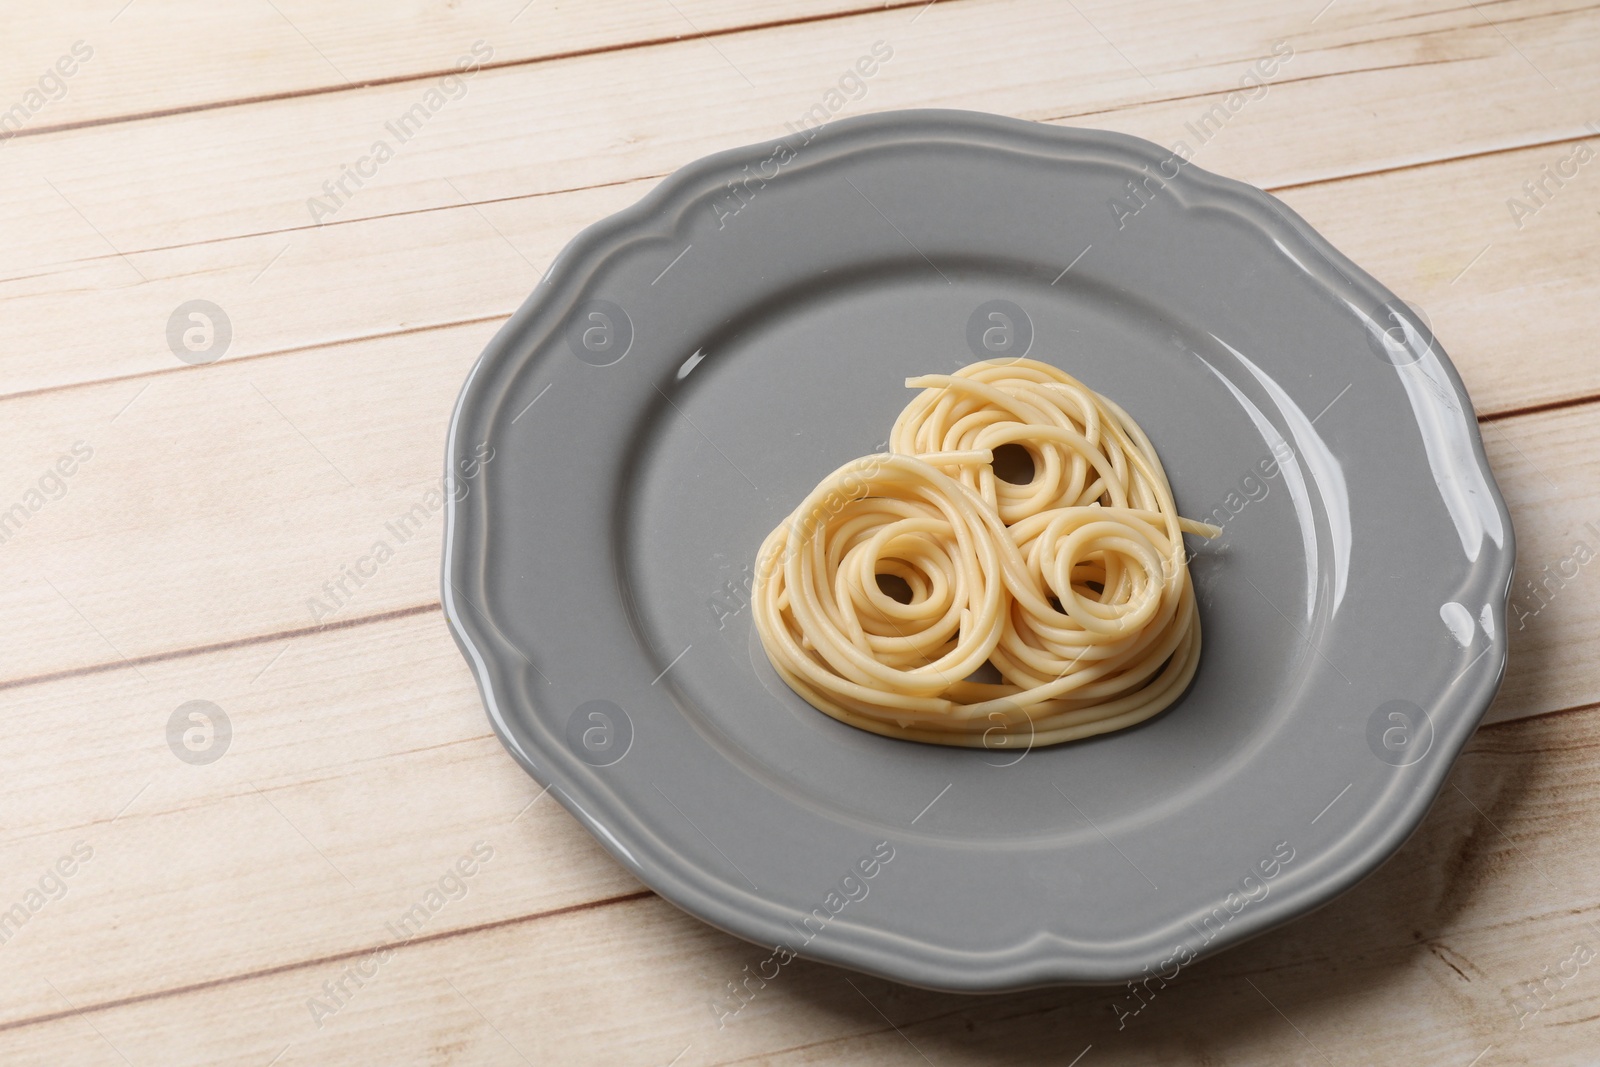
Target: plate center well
(814, 378)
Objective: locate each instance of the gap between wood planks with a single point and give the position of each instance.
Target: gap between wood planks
(358, 219)
(800, 20)
(1492, 416)
(1531, 409)
(1309, 183)
(464, 931)
(752, 27)
(1180, 98)
(220, 646)
(527, 61)
(267, 972)
(392, 614)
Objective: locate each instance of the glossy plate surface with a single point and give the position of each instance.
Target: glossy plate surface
(692, 366)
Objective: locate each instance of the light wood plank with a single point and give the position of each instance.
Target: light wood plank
(219, 502)
(352, 746)
(203, 486)
(307, 288)
(431, 258)
(1511, 299)
(144, 57)
(1514, 322)
(360, 768)
(1038, 63)
(1555, 598)
(1425, 962)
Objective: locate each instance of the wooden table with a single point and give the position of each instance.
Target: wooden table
(183, 498)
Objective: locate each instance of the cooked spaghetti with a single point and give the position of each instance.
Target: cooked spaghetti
(905, 577)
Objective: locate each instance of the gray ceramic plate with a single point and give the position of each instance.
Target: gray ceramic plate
(691, 367)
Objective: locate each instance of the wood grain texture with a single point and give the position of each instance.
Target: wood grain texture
(302, 842)
(148, 60)
(153, 550)
(118, 248)
(208, 506)
(1428, 961)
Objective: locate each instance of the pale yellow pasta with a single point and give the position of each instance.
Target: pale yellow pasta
(1073, 588)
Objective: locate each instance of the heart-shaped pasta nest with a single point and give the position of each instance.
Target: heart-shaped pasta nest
(905, 577)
